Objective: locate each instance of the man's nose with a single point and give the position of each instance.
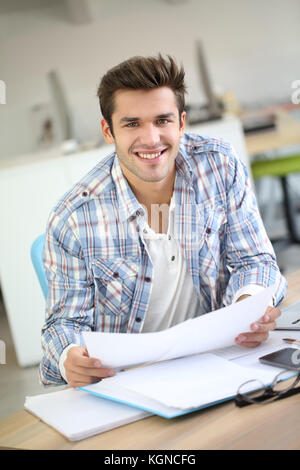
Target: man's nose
(150, 135)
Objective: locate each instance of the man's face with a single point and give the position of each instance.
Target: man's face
(146, 133)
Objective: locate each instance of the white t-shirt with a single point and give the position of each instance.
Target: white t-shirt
(173, 296)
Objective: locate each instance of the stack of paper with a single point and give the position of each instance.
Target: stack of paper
(78, 415)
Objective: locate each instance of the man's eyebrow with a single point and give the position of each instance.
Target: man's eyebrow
(159, 116)
(165, 116)
(129, 119)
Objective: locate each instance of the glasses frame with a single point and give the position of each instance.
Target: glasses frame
(268, 393)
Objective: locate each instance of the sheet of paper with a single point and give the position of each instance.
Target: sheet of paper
(207, 332)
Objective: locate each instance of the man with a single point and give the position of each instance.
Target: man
(164, 229)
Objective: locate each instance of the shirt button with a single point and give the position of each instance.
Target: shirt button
(169, 237)
(208, 231)
(173, 258)
(115, 275)
(84, 194)
(138, 320)
(147, 279)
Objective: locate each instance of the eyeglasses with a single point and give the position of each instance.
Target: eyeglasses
(256, 392)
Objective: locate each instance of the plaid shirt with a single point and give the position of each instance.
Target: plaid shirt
(98, 269)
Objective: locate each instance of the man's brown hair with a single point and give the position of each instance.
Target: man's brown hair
(141, 73)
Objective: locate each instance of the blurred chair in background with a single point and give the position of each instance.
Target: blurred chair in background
(37, 261)
(282, 168)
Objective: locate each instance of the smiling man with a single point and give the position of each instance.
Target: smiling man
(164, 229)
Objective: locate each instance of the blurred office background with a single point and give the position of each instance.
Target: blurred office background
(52, 56)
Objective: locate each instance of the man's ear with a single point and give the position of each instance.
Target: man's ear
(108, 137)
(182, 123)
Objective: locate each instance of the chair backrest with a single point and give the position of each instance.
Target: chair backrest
(36, 258)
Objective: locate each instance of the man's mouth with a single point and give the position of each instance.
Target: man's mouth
(150, 155)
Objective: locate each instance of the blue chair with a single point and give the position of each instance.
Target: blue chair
(36, 258)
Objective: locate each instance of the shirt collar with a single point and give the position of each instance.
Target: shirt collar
(183, 166)
(129, 206)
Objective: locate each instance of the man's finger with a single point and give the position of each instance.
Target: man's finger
(271, 314)
(260, 327)
(80, 360)
(245, 338)
(252, 344)
(81, 382)
(92, 372)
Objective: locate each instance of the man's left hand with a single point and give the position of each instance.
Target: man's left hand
(260, 329)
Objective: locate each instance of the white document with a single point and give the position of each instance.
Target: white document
(78, 415)
(207, 332)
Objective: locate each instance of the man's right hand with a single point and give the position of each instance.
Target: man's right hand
(84, 370)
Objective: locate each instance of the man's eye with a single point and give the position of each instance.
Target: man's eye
(132, 124)
(163, 121)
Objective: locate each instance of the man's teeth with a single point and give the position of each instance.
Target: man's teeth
(149, 156)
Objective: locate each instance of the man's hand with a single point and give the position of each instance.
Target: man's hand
(259, 330)
(83, 370)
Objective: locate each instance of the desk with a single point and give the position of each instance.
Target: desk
(286, 134)
(271, 426)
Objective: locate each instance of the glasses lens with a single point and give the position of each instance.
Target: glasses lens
(251, 390)
(284, 381)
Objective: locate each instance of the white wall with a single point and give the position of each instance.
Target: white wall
(253, 47)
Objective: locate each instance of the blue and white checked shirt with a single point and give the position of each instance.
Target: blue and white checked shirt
(98, 269)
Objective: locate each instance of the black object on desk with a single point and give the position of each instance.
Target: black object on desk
(259, 123)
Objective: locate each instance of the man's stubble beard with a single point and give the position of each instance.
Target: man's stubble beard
(132, 168)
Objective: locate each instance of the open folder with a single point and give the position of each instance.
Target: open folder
(179, 386)
(184, 376)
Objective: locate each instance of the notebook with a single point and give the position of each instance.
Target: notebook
(78, 415)
(290, 318)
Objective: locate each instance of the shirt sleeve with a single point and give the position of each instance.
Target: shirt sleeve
(62, 359)
(249, 253)
(70, 299)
